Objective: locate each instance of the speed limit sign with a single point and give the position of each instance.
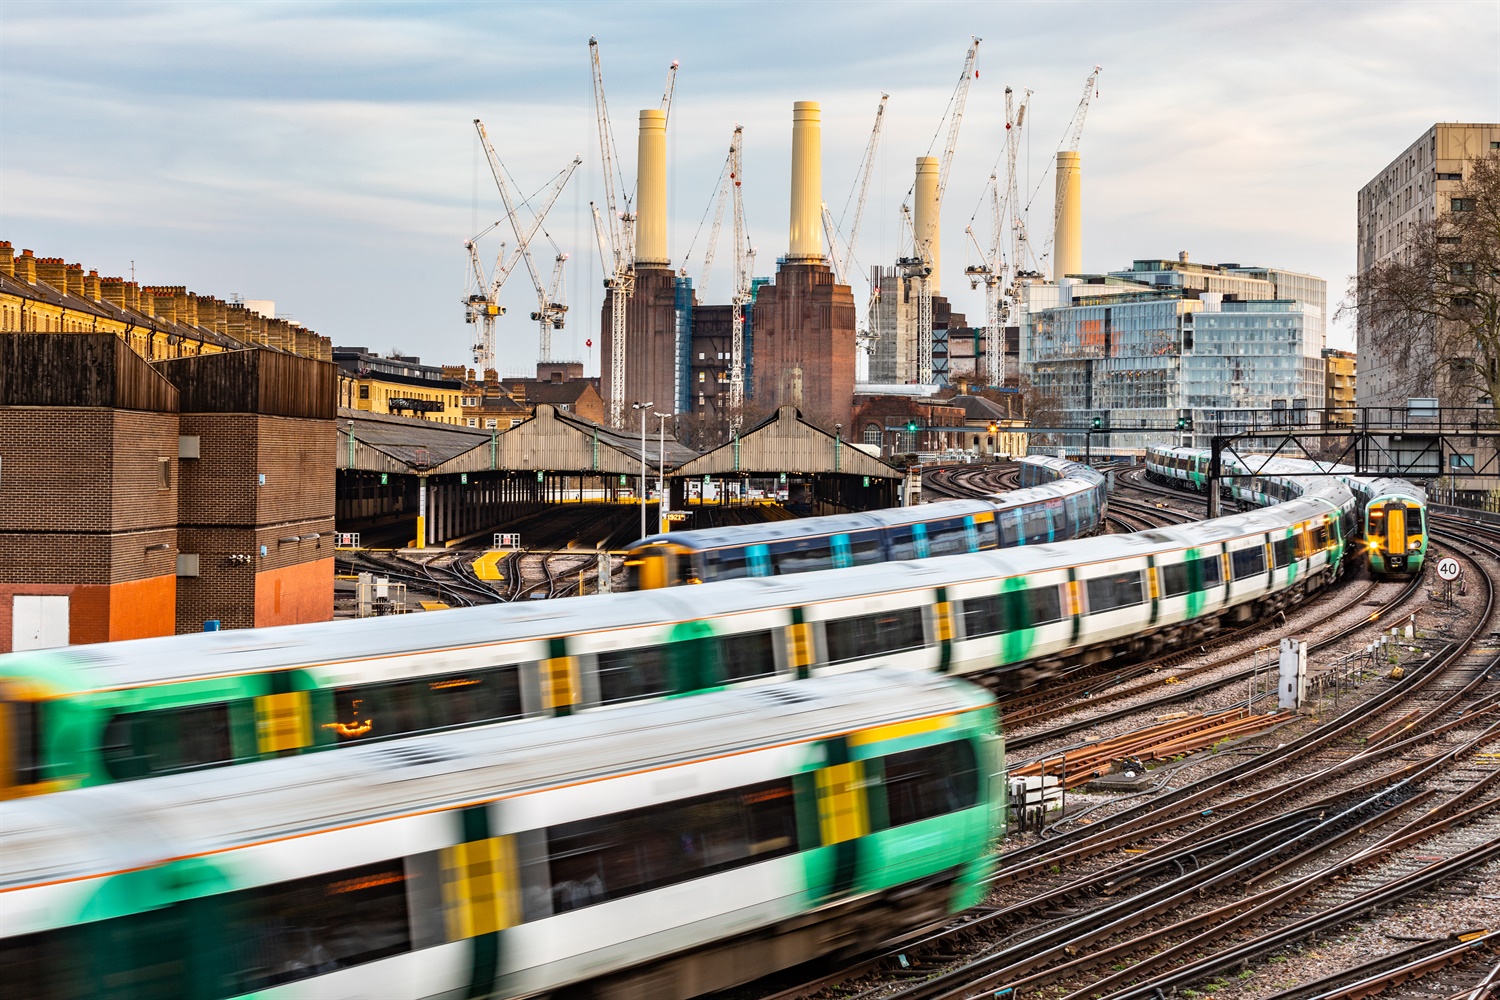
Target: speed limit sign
(1449, 568)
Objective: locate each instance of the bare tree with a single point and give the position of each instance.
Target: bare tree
(1433, 311)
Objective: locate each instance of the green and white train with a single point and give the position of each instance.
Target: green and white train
(662, 850)
(91, 715)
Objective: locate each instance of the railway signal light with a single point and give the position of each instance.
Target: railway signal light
(1184, 423)
(1098, 423)
(911, 426)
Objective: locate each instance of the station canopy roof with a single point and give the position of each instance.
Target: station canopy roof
(552, 440)
(784, 442)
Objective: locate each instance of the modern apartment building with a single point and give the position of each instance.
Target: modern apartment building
(1415, 187)
(1164, 341)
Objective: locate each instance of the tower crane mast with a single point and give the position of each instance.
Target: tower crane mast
(921, 263)
(744, 264)
(666, 95)
(616, 239)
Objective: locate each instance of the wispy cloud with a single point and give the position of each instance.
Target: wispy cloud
(322, 154)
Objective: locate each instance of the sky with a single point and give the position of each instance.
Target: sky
(323, 155)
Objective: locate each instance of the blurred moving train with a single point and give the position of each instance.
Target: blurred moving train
(677, 847)
(1058, 500)
(1390, 518)
(87, 715)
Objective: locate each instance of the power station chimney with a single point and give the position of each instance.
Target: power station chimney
(807, 183)
(1067, 242)
(926, 219)
(651, 185)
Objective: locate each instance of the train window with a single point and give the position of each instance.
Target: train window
(313, 926)
(724, 564)
(930, 781)
(868, 635)
(903, 543)
(1248, 562)
(1320, 537)
(865, 548)
(982, 616)
(25, 742)
(989, 533)
(1045, 604)
(631, 674)
(44, 965)
(608, 857)
(747, 655)
(474, 698)
(803, 555)
(1209, 571)
(164, 741)
(378, 711)
(1035, 526)
(1281, 551)
(946, 538)
(1010, 527)
(1174, 579)
(1118, 590)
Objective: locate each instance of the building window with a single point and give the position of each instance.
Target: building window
(701, 376)
(1462, 204)
(490, 423)
(473, 421)
(166, 472)
(1450, 177)
(872, 434)
(364, 392)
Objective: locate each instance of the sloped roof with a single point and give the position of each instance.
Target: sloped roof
(784, 442)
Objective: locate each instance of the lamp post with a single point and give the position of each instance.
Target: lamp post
(661, 474)
(643, 407)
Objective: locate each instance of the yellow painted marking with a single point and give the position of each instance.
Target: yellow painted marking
(283, 721)
(480, 888)
(800, 636)
(487, 566)
(895, 732)
(435, 606)
(943, 616)
(1075, 602)
(559, 682)
(841, 802)
(1155, 586)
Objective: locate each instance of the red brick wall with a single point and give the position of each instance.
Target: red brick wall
(295, 594)
(86, 469)
(805, 320)
(135, 609)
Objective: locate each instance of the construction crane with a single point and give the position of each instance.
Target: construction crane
(744, 265)
(666, 95)
(999, 275)
(990, 272)
(843, 261)
(480, 298)
(616, 239)
(551, 311)
(523, 235)
(919, 265)
(729, 178)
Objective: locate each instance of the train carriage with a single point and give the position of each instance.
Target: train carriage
(676, 847)
(121, 711)
(1059, 499)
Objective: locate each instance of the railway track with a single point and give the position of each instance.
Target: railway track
(1394, 798)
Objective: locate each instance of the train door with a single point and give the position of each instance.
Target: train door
(20, 745)
(758, 558)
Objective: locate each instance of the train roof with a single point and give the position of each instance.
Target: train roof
(814, 527)
(94, 831)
